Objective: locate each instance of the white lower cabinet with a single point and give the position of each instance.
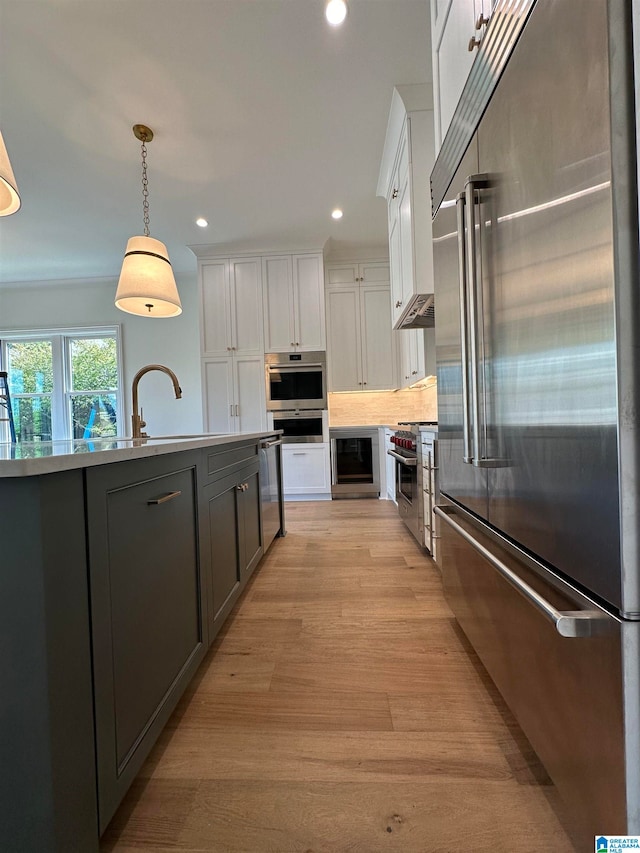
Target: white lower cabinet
(306, 472)
(234, 394)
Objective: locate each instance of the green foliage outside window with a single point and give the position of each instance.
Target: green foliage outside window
(93, 381)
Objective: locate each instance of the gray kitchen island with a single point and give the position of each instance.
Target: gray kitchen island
(121, 559)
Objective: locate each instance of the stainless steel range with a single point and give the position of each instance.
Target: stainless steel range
(415, 448)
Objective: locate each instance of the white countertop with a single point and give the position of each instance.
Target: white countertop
(47, 457)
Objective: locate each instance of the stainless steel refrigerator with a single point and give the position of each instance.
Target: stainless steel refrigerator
(538, 345)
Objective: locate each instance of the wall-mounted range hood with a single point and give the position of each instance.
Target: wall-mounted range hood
(419, 313)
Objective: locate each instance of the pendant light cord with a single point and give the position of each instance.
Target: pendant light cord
(145, 190)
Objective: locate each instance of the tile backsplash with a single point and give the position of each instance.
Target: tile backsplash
(384, 407)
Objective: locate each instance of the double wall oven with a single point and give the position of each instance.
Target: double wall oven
(414, 451)
(297, 395)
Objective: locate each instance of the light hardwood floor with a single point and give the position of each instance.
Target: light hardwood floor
(341, 709)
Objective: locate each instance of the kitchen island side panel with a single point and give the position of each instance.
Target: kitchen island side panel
(47, 786)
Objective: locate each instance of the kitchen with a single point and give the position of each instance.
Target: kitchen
(278, 255)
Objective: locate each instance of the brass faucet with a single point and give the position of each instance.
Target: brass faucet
(136, 419)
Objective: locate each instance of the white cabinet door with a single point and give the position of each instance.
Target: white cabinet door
(250, 408)
(396, 270)
(279, 334)
(409, 204)
(234, 394)
(305, 469)
(411, 356)
(417, 356)
(453, 25)
(361, 354)
(344, 351)
(378, 372)
(308, 288)
(218, 395)
(339, 275)
(405, 226)
(231, 294)
(294, 303)
(403, 342)
(374, 272)
(245, 288)
(215, 309)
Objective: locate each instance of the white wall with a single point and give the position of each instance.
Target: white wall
(173, 342)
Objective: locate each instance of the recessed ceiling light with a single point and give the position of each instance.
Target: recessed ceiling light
(337, 213)
(335, 12)
(202, 222)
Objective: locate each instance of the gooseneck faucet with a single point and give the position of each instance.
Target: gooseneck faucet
(136, 419)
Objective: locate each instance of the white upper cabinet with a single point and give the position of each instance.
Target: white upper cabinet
(457, 28)
(360, 353)
(411, 349)
(231, 307)
(294, 319)
(405, 170)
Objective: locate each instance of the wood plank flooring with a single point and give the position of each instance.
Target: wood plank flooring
(341, 709)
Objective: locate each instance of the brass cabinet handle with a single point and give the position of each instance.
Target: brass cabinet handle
(473, 44)
(394, 194)
(481, 21)
(398, 303)
(163, 500)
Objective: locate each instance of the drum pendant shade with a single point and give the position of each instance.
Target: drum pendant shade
(147, 285)
(9, 196)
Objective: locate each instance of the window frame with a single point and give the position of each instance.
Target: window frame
(61, 338)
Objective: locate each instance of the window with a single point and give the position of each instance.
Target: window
(63, 383)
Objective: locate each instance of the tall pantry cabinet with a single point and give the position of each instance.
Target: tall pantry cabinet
(360, 352)
(232, 345)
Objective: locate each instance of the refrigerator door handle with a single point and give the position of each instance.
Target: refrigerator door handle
(479, 454)
(467, 453)
(568, 623)
(472, 185)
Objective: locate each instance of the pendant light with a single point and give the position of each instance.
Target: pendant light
(146, 285)
(9, 196)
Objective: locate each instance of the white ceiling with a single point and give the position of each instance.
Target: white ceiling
(265, 119)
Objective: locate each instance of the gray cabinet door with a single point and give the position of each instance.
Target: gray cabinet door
(233, 540)
(146, 609)
(223, 546)
(249, 524)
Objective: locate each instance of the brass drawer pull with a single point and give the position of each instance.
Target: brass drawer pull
(163, 500)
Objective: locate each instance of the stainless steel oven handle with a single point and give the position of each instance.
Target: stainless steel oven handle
(467, 452)
(408, 461)
(568, 623)
(305, 367)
